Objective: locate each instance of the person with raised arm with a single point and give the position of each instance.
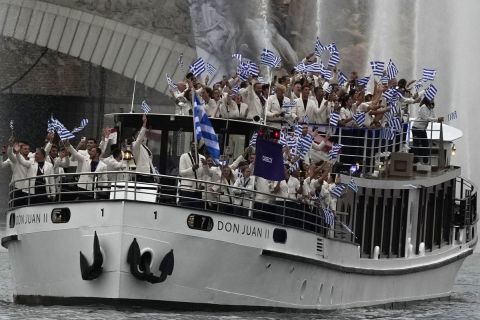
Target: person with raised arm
(19, 172)
(42, 188)
(142, 154)
(92, 171)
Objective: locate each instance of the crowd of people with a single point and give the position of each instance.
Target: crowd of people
(296, 100)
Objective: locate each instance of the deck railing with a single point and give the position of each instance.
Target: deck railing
(166, 190)
(369, 148)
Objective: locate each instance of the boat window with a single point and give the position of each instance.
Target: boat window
(11, 220)
(60, 215)
(199, 222)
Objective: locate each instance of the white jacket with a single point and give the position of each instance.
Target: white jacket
(18, 171)
(185, 170)
(312, 111)
(143, 160)
(32, 169)
(244, 194)
(87, 181)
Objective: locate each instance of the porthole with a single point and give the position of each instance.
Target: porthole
(279, 235)
(11, 220)
(199, 222)
(60, 215)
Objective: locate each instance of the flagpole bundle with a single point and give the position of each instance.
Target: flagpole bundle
(133, 95)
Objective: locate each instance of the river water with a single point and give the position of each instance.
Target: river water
(464, 304)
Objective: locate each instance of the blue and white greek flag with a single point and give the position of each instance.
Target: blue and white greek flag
(384, 79)
(204, 129)
(197, 67)
(243, 75)
(338, 190)
(392, 70)
(395, 124)
(429, 74)
(388, 115)
(83, 124)
(378, 67)
(332, 47)
(245, 69)
(329, 89)
(170, 82)
(11, 125)
(294, 167)
(283, 137)
(300, 67)
(327, 74)
(334, 118)
(353, 185)
(329, 216)
(359, 118)
(319, 48)
(235, 90)
(210, 69)
(51, 125)
(268, 58)
(63, 133)
(291, 141)
(418, 85)
(342, 78)
(333, 153)
(253, 69)
(363, 81)
(430, 92)
(253, 140)
(391, 94)
(145, 107)
(313, 67)
(451, 116)
(334, 59)
(305, 144)
(387, 133)
(238, 57)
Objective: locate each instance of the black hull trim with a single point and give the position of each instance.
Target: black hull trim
(372, 272)
(185, 306)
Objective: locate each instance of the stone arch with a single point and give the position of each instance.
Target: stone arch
(116, 46)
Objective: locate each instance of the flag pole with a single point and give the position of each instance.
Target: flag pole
(133, 95)
(193, 120)
(269, 88)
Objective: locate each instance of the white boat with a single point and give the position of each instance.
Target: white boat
(401, 237)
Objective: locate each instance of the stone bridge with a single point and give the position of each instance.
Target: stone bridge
(77, 29)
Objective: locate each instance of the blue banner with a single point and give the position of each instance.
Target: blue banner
(269, 160)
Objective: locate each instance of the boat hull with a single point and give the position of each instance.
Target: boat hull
(236, 265)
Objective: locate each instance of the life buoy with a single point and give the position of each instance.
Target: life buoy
(93, 271)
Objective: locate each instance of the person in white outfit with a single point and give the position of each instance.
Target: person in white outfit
(274, 111)
(306, 108)
(19, 172)
(188, 167)
(93, 175)
(42, 188)
(243, 187)
(225, 191)
(142, 154)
